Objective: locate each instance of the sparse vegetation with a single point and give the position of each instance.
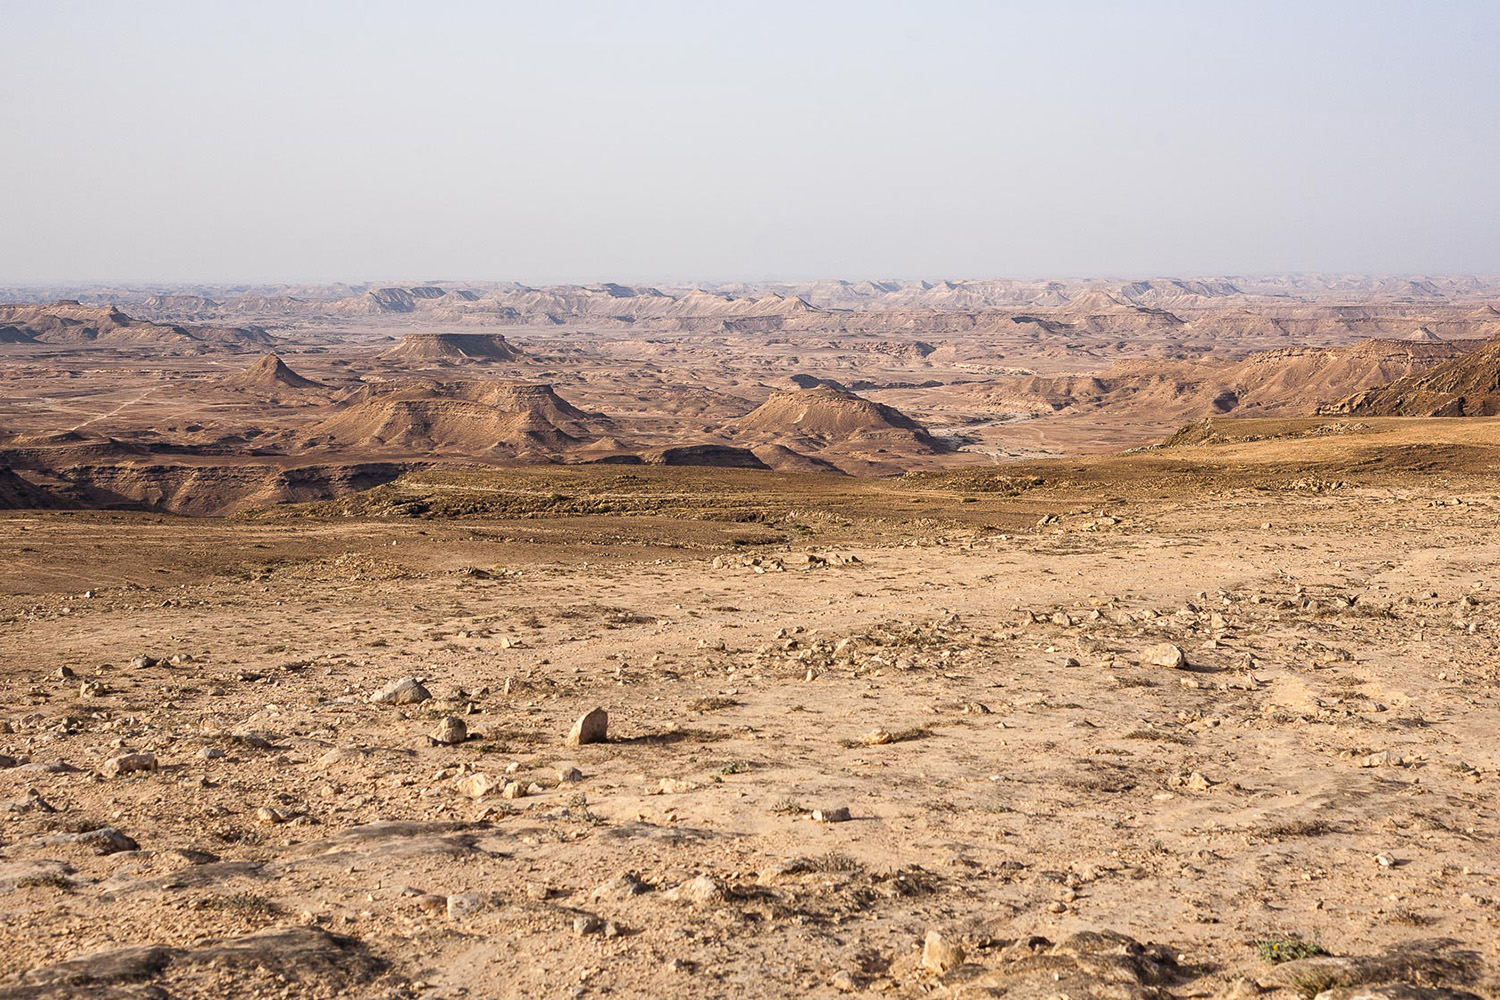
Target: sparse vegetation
(1298, 828)
(942, 703)
(244, 903)
(1286, 948)
(713, 703)
(46, 880)
(835, 861)
(1159, 736)
(245, 836)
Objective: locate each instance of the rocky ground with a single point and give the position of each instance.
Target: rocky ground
(1075, 742)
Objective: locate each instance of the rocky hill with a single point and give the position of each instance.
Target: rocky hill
(1286, 381)
(270, 373)
(455, 347)
(70, 323)
(486, 419)
(823, 416)
(1466, 386)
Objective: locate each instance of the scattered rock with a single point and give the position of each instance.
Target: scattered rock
(128, 763)
(591, 727)
(703, 890)
(1165, 655)
(449, 731)
(476, 785)
(466, 904)
(406, 691)
(835, 814)
(941, 954)
(105, 840)
(620, 888)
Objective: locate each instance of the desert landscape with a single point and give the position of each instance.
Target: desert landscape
(749, 501)
(973, 638)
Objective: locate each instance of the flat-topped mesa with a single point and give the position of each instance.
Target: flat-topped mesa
(270, 372)
(717, 455)
(466, 418)
(453, 347)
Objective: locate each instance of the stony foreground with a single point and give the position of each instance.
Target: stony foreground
(1225, 746)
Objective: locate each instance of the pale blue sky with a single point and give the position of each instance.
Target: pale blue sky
(556, 141)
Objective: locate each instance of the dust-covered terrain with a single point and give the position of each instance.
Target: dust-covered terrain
(1032, 640)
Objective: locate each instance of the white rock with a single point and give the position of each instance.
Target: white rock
(940, 954)
(1165, 655)
(477, 785)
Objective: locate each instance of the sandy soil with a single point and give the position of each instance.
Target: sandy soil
(963, 665)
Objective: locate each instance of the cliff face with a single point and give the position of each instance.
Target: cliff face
(196, 489)
(1467, 386)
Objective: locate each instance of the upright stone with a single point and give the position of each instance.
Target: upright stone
(590, 728)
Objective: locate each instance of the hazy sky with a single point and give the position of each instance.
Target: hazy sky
(220, 140)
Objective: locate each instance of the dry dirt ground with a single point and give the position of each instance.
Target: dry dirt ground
(845, 718)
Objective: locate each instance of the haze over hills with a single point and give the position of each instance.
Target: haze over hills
(1094, 305)
(661, 554)
(1284, 381)
(845, 377)
(67, 322)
